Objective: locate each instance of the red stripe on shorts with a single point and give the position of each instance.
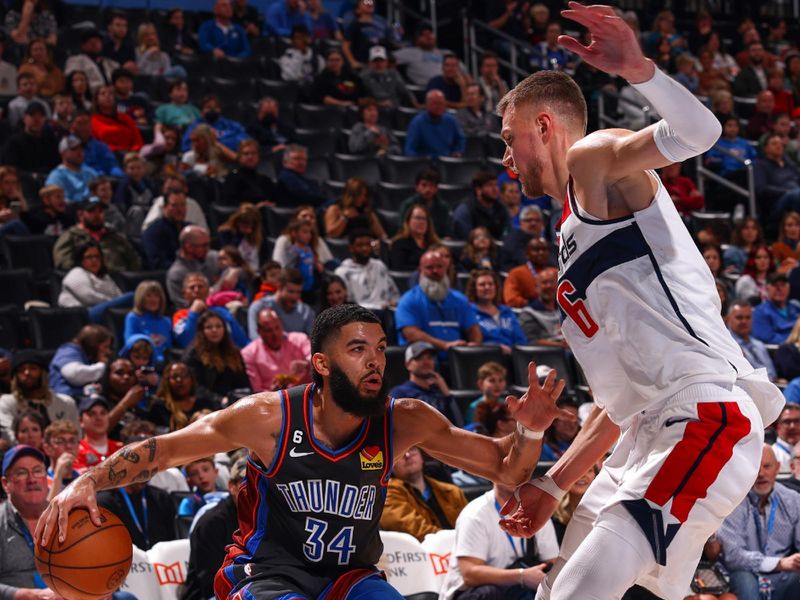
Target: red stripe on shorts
(695, 462)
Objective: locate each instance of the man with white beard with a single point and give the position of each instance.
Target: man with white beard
(432, 312)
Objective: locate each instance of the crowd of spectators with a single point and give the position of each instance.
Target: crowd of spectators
(205, 184)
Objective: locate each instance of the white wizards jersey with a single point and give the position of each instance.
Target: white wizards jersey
(640, 309)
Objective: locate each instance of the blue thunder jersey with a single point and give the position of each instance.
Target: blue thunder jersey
(313, 506)
(641, 312)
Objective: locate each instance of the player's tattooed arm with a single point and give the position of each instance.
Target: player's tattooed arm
(134, 463)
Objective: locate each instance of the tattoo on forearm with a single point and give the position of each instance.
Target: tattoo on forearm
(129, 454)
(145, 475)
(151, 447)
(115, 477)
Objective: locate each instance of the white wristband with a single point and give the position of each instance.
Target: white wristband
(546, 484)
(529, 433)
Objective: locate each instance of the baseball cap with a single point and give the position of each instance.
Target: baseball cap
(68, 143)
(418, 348)
(24, 357)
(91, 202)
(377, 52)
(17, 452)
(776, 277)
(90, 401)
(35, 107)
(90, 33)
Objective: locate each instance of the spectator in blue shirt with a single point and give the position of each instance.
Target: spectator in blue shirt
(452, 82)
(434, 132)
(283, 15)
(426, 384)
(432, 312)
(96, 154)
(732, 144)
(774, 318)
(740, 322)
(499, 325)
(72, 175)
(229, 132)
(222, 37)
(294, 188)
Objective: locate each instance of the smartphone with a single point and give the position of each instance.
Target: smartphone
(15, 207)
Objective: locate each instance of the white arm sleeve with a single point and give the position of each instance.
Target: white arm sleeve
(79, 374)
(687, 128)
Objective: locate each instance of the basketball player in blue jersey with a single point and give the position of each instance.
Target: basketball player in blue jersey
(320, 457)
(642, 315)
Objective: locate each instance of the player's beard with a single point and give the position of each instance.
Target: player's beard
(435, 290)
(349, 399)
(531, 178)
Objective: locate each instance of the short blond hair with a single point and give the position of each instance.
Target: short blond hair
(148, 286)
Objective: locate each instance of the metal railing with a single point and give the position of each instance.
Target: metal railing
(605, 119)
(749, 193)
(425, 12)
(516, 48)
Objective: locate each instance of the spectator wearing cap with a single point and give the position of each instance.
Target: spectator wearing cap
(96, 154)
(211, 531)
(434, 132)
(364, 32)
(95, 445)
(276, 359)
(8, 72)
(28, 90)
(25, 483)
(35, 148)
(485, 209)
(60, 444)
(193, 256)
(282, 16)
(117, 45)
(88, 283)
(72, 175)
(774, 318)
(299, 62)
(384, 84)
(426, 384)
(118, 253)
(161, 239)
(228, 132)
(51, 216)
(30, 389)
(220, 36)
(91, 61)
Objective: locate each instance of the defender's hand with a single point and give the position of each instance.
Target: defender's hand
(537, 408)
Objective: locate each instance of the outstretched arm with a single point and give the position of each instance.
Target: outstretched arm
(529, 513)
(509, 460)
(687, 127)
(244, 424)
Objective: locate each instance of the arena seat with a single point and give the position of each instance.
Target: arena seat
(390, 195)
(474, 147)
(128, 280)
(317, 169)
(555, 358)
(243, 70)
(321, 141)
(169, 562)
(390, 219)
(285, 92)
(339, 247)
(12, 328)
(459, 170)
(403, 169)
(34, 252)
(345, 166)
(51, 327)
(114, 319)
(16, 287)
(465, 362)
(455, 247)
(402, 279)
(463, 399)
(454, 194)
(495, 146)
(319, 115)
(276, 218)
(403, 116)
(395, 372)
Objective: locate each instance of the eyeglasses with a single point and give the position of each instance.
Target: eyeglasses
(64, 441)
(23, 474)
(789, 422)
(176, 376)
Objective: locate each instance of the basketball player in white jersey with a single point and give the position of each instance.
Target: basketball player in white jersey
(642, 315)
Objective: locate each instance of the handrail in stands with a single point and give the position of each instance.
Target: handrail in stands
(749, 194)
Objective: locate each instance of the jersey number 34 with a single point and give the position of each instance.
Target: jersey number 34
(341, 545)
(576, 310)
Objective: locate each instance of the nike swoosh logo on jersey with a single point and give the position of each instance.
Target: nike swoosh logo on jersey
(295, 454)
(675, 420)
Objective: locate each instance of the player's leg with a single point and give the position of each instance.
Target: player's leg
(360, 584)
(611, 558)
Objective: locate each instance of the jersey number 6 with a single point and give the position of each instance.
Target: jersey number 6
(577, 310)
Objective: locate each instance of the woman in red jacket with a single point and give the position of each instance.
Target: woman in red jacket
(114, 128)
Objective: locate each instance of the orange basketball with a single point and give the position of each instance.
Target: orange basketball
(92, 561)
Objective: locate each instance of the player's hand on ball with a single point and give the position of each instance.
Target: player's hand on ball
(80, 493)
(537, 409)
(530, 514)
